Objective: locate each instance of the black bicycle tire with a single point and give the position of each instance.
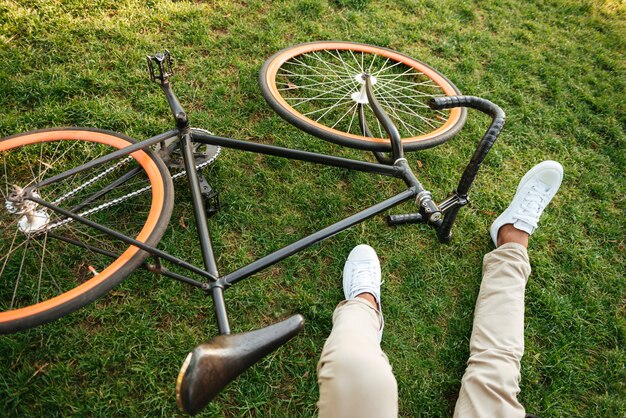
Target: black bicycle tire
(71, 305)
(341, 139)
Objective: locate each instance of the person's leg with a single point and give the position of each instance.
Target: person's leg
(354, 375)
(490, 384)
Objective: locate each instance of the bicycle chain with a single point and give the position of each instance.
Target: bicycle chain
(93, 180)
(125, 197)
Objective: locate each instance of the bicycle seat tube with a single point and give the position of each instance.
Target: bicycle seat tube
(160, 71)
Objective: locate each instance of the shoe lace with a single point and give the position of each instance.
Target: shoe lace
(364, 279)
(533, 204)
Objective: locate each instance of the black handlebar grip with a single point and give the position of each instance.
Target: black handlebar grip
(498, 119)
(474, 102)
(409, 218)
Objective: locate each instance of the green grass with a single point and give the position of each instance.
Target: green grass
(555, 66)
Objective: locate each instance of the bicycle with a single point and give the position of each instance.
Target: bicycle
(85, 193)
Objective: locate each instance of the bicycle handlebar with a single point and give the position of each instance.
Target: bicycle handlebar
(459, 197)
(498, 119)
(497, 123)
(474, 102)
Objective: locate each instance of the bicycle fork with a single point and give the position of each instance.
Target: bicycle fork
(440, 216)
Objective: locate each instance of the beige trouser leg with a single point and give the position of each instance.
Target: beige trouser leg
(354, 375)
(491, 382)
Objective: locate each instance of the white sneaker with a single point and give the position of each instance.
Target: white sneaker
(361, 274)
(535, 191)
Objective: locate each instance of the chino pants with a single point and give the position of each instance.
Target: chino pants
(356, 380)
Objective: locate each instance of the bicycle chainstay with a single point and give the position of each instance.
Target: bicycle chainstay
(121, 198)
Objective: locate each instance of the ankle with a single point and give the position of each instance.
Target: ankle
(508, 233)
(369, 298)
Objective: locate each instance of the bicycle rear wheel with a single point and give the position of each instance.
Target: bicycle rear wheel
(51, 265)
(318, 87)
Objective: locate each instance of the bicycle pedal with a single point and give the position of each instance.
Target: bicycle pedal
(211, 203)
(160, 66)
(211, 197)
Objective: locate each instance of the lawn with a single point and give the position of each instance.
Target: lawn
(555, 66)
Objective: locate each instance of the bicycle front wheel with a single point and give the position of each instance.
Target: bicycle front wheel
(51, 265)
(319, 88)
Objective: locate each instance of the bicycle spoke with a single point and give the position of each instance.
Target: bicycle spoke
(19, 274)
(321, 98)
(289, 74)
(28, 165)
(349, 69)
(328, 63)
(414, 102)
(408, 113)
(406, 125)
(49, 276)
(342, 67)
(327, 108)
(39, 177)
(376, 74)
(345, 114)
(308, 86)
(391, 88)
(34, 268)
(321, 71)
(316, 74)
(356, 61)
(43, 254)
(374, 57)
(313, 87)
(320, 95)
(352, 118)
(8, 254)
(385, 94)
(15, 248)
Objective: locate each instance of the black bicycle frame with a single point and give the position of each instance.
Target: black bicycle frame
(212, 365)
(217, 284)
(440, 216)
